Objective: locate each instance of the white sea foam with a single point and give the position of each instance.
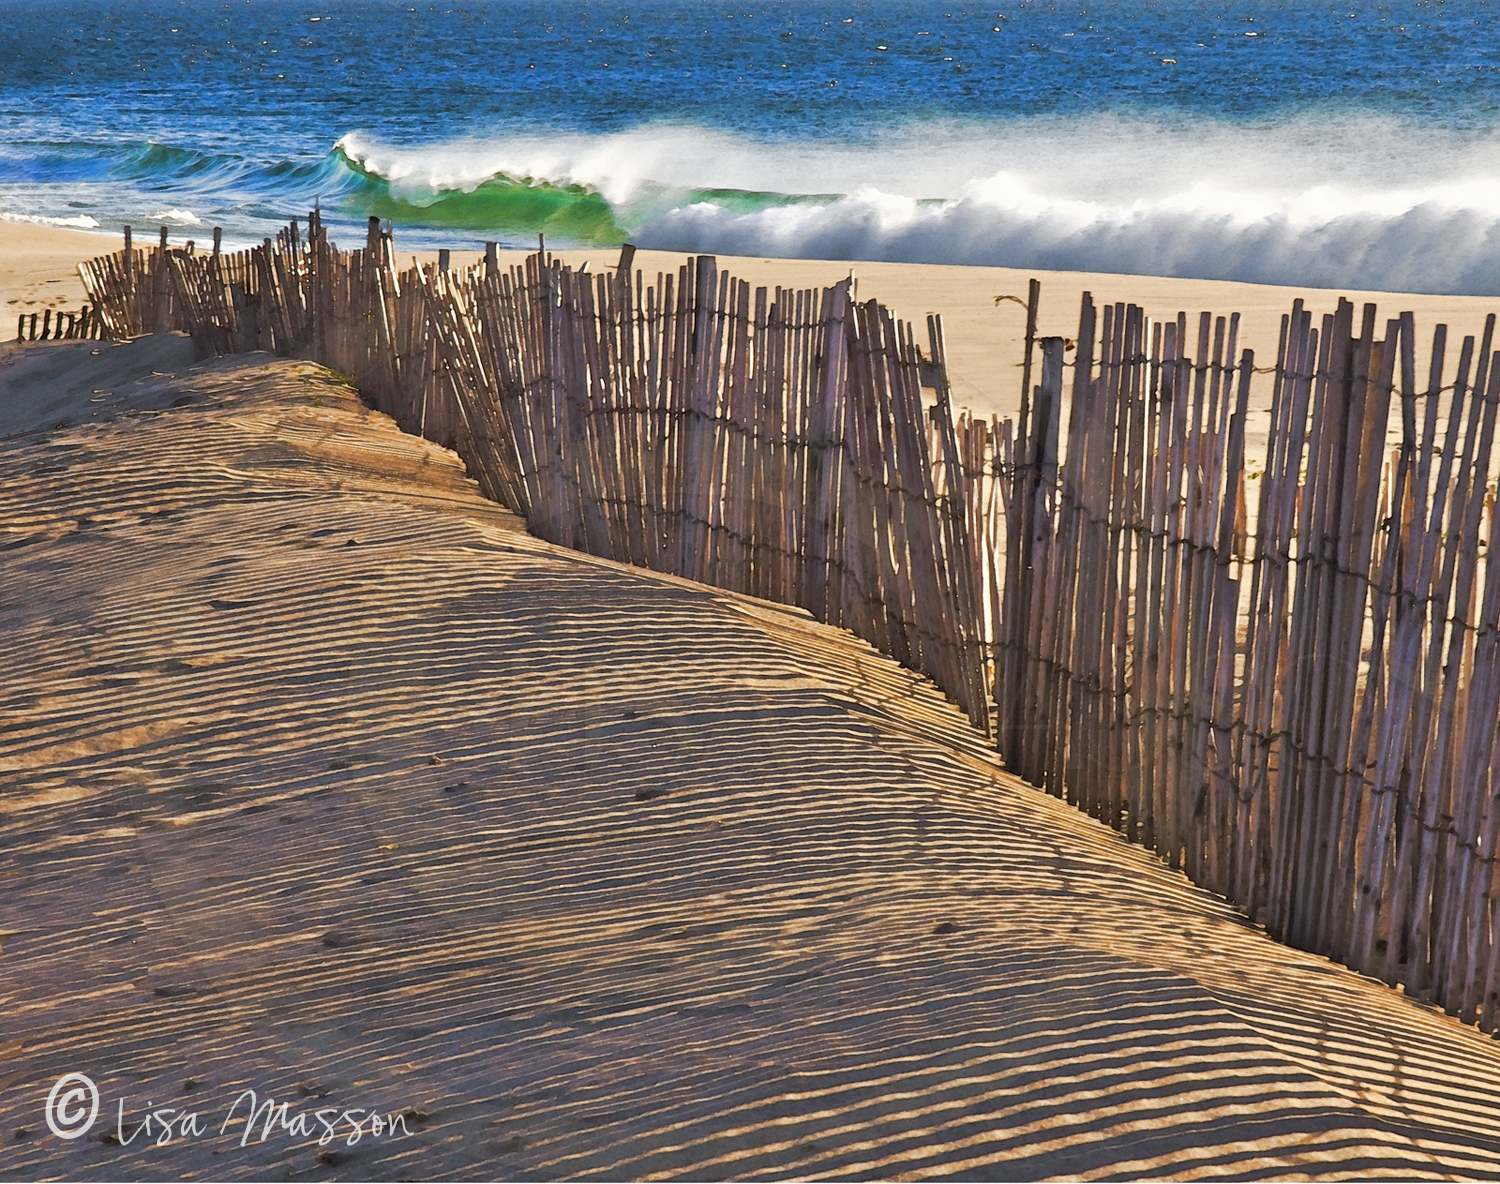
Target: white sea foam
(75, 221)
(1364, 202)
(175, 217)
(1430, 246)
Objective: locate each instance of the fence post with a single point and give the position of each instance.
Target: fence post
(1034, 480)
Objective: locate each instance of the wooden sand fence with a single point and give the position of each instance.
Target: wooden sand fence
(1302, 719)
(768, 442)
(65, 326)
(1283, 677)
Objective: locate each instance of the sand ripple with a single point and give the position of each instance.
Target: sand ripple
(320, 777)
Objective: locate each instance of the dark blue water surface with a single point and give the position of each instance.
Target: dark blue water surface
(1309, 143)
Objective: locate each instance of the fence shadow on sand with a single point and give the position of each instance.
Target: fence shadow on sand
(1281, 673)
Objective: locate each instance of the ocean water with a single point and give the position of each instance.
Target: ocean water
(1332, 145)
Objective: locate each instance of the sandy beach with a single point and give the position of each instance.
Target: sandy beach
(322, 778)
(38, 268)
(984, 337)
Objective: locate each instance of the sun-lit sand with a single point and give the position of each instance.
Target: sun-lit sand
(37, 269)
(984, 338)
(320, 777)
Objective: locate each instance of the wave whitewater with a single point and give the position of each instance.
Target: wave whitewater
(1365, 203)
(572, 191)
(1362, 202)
(1426, 248)
(76, 222)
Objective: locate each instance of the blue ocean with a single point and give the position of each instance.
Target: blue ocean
(1333, 145)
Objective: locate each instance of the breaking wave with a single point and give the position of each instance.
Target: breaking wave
(1366, 201)
(1363, 202)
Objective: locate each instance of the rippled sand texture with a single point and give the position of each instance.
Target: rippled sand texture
(319, 777)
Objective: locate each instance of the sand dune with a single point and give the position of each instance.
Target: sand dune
(319, 777)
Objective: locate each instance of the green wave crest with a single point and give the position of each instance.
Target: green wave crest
(503, 204)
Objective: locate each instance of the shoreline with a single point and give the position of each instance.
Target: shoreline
(983, 308)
